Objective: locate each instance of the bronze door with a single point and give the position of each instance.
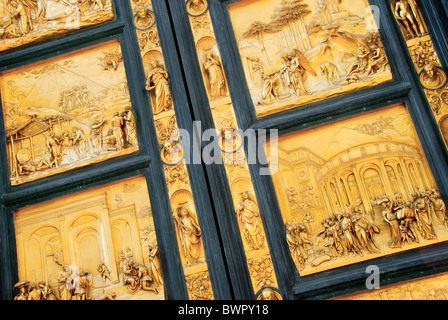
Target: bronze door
(221, 149)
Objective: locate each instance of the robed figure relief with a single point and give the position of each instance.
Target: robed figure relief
(189, 234)
(157, 82)
(250, 219)
(217, 80)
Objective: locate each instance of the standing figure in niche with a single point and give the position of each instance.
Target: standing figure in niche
(217, 79)
(189, 234)
(157, 81)
(248, 214)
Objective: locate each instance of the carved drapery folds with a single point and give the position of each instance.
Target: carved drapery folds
(66, 113)
(370, 196)
(188, 231)
(90, 246)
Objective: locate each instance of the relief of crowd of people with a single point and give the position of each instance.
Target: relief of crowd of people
(353, 232)
(75, 145)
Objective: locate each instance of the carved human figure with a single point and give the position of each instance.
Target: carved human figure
(217, 80)
(432, 77)
(408, 17)
(189, 234)
(157, 81)
(96, 135)
(154, 264)
(53, 146)
(65, 293)
(129, 126)
(424, 220)
(391, 218)
(82, 282)
(80, 143)
(104, 272)
(439, 207)
(22, 15)
(249, 215)
(349, 236)
(22, 286)
(117, 127)
(143, 19)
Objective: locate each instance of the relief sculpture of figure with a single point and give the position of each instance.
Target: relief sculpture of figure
(129, 126)
(22, 15)
(249, 215)
(96, 135)
(407, 15)
(65, 293)
(217, 80)
(117, 127)
(80, 143)
(154, 263)
(189, 234)
(391, 218)
(53, 145)
(424, 220)
(157, 81)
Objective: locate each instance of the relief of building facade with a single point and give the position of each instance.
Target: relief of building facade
(90, 246)
(299, 52)
(363, 192)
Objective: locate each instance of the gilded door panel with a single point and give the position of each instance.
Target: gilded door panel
(426, 61)
(28, 22)
(247, 211)
(67, 112)
(356, 189)
(97, 244)
(188, 231)
(427, 288)
(299, 52)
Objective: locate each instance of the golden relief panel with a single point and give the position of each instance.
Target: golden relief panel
(299, 52)
(67, 112)
(98, 244)
(355, 190)
(188, 230)
(427, 288)
(427, 64)
(24, 22)
(247, 212)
